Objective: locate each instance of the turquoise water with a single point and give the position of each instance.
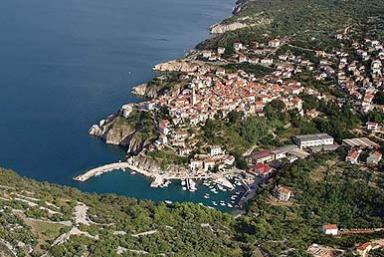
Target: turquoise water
(66, 64)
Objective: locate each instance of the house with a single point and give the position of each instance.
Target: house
(127, 110)
(353, 156)
(263, 157)
(242, 58)
(274, 43)
(196, 164)
(374, 158)
(283, 193)
(221, 50)
(330, 229)
(163, 127)
(262, 170)
(364, 249)
(220, 72)
(230, 160)
(238, 46)
(282, 152)
(313, 140)
(163, 139)
(266, 61)
(184, 151)
(209, 164)
(215, 150)
(372, 126)
(207, 54)
(313, 113)
(316, 250)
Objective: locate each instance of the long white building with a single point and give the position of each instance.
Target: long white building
(313, 140)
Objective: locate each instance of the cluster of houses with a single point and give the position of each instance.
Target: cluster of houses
(362, 249)
(255, 53)
(304, 144)
(215, 159)
(357, 146)
(361, 74)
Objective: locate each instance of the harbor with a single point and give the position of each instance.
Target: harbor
(223, 192)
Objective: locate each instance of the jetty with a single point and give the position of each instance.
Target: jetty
(101, 170)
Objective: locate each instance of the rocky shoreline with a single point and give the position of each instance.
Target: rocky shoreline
(117, 129)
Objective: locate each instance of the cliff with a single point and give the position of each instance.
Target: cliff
(183, 65)
(125, 132)
(159, 86)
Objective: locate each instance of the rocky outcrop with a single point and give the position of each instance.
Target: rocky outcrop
(140, 90)
(117, 131)
(223, 28)
(185, 66)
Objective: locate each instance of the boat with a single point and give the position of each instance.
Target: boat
(183, 182)
(168, 202)
(184, 188)
(214, 203)
(191, 185)
(222, 204)
(229, 205)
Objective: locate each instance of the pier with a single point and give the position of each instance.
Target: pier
(101, 170)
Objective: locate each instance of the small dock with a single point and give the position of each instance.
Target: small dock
(101, 170)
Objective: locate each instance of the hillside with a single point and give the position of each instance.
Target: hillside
(40, 219)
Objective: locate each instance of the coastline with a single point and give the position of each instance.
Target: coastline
(158, 179)
(140, 91)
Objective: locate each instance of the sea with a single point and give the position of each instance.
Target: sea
(66, 64)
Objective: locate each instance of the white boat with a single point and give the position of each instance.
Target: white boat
(222, 204)
(183, 182)
(206, 196)
(184, 188)
(191, 185)
(214, 203)
(168, 202)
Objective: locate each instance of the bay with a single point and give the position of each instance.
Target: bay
(65, 64)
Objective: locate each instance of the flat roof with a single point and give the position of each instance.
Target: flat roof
(299, 153)
(360, 142)
(284, 149)
(311, 137)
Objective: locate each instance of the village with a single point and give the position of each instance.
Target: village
(212, 91)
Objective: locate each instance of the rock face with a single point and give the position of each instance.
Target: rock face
(185, 66)
(222, 28)
(140, 90)
(116, 131)
(147, 91)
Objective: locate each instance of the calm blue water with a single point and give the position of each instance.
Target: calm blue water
(65, 64)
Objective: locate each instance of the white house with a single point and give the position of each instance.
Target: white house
(215, 150)
(238, 46)
(220, 50)
(330, 229)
